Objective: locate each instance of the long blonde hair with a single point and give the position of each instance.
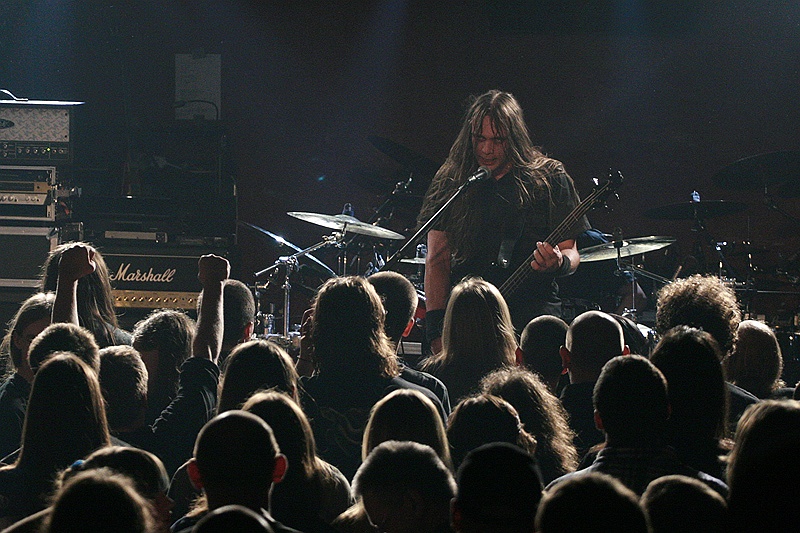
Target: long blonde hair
(478, 332)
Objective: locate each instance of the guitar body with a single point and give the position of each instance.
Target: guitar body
(505, 258)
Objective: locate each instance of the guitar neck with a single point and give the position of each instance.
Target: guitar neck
(559, 234)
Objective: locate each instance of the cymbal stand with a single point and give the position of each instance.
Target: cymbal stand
(383, 212)
(724, 266)
(291, 264)
(629, 267)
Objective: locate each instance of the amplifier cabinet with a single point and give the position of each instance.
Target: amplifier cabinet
(23, 251)
(165, 278)
(36, 132)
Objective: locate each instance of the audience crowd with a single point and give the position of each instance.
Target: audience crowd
(186, 425)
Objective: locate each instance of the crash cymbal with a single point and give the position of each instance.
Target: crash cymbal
(695, 210)
(420, 165)
(346, 224)
(756, 172)
(627, 248)
(283, 242)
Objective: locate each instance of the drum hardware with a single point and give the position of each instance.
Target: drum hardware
(759, 172)
(341, 224)
(776, 171)
(621, 248)
(695, 210)
(344, 224)
(412, 162)
(291, 264)
(698, 211)
(277, 239)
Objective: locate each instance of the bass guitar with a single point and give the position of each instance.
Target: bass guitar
(562, 231)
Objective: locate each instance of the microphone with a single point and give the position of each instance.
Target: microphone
(481, 174)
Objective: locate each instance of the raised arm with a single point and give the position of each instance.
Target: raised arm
(212, 271)
(76, 262)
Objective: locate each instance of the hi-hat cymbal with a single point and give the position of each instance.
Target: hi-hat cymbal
(414, 260)
(627, 248)
(695, 210)
(346, 224)
(762, 170)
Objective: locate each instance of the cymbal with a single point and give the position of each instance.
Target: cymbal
(418, 164)
(346, 224)
(627, 248)
(283, 242)
(757, 171)
(695, 210)
(414, 260)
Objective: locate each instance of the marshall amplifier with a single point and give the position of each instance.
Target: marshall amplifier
(157, 279)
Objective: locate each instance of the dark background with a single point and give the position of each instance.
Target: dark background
(669, 93)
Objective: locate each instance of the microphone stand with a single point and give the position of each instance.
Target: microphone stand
(422, 231)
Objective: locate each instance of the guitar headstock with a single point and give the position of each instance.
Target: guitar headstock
(601, 191)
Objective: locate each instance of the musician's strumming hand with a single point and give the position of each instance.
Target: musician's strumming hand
(546, 258)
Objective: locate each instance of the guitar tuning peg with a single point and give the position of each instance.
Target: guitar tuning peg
(596, 181)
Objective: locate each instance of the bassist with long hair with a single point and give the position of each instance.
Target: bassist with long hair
(502, 223)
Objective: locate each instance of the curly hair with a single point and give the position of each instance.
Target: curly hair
(170, 332)
(701, 302)
(482, 419)
(529, 165)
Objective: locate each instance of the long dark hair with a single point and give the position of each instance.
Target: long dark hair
(348, 330)
(252, 366)
(95, 301)
(65, 419)
(33, 309)
(478, 334)
(298, 499)
(528, 164)
(541, 414)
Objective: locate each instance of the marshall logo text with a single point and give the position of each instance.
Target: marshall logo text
(149, 276)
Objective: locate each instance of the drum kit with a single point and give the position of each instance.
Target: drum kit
(347, 232)
(779, 172)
